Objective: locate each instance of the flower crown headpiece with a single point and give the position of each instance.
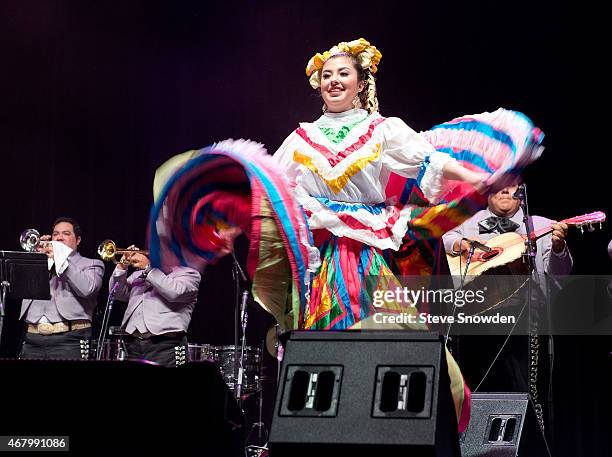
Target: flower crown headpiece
(368, 57)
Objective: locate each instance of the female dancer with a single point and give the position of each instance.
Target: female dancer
(347, 171)
(341, 166)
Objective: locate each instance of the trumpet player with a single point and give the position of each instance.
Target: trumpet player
(159, 308)
(61, 327)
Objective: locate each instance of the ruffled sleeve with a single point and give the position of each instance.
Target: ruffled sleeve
(410, 155)
(284, 157)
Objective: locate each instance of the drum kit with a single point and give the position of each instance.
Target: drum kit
(225, 357)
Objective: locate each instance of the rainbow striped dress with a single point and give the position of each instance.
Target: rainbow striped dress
(367, 190)
(377, 203)
(355, 176)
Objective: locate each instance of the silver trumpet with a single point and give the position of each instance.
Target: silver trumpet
(30, 240)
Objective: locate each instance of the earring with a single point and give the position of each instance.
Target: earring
(324, 108)
(357, 102)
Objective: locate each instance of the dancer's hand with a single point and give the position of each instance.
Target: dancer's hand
(228, 236)
(499, 181)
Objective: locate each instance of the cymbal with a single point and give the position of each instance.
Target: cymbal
(272, 341)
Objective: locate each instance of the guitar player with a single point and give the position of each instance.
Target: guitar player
(475, 354)
(504, 214)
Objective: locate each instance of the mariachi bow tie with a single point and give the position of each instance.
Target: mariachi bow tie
(497, 224)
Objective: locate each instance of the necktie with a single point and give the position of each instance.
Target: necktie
(497, 224)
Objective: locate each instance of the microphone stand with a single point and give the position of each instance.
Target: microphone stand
(531, 251)
(473, 246)
(106, 320)
(261, 427)
(241, 318)
(533, 348)
(468, 260)
(240, 324)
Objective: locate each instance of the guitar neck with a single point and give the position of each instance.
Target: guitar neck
(548, 229)
(542, 232)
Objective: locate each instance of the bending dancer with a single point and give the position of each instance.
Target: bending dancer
(344, 171)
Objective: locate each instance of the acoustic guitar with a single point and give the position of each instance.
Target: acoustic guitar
(507, 248)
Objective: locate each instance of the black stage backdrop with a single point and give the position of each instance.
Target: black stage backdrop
(95, 95)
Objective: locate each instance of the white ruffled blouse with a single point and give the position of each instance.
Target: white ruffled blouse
(340, 165)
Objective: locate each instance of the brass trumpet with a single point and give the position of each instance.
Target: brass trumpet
(30, 240)
(108, 251)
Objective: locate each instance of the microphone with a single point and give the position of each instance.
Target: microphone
(243, 304)
(519, 193)
(477, 244)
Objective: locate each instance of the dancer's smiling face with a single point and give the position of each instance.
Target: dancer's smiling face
(340, 84)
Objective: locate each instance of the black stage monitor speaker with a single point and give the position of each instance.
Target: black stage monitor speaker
(348, 391)
(496, 424)
(120, 408)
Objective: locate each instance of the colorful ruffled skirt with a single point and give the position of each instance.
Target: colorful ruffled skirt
(353, 273)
